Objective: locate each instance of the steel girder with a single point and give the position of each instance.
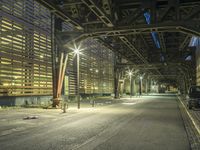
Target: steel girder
(185, 67)
(139, 29)
(185, 42)
(93, 6)
(162, 42)
(168, 18)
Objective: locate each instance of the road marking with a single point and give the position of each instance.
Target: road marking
(191, 118)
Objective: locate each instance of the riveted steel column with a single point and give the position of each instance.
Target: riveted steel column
(116, 78)
(53, 53)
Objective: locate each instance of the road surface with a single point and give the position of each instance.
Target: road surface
(147, 123)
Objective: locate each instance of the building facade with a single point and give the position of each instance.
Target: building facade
(26, 57)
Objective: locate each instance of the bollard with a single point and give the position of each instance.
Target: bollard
(93, 103)
(64, 107)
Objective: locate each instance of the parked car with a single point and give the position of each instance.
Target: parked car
(193, 98)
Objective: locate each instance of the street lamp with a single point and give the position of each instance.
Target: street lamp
(77, 51)
(141, 85)
(130, 73)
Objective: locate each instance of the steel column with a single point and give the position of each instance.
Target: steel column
(54, 53)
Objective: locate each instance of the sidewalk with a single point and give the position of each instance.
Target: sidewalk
(191, 120)
(19, 119)
(195, 112)
(16, 119)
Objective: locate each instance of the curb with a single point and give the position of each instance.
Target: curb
(190, 125)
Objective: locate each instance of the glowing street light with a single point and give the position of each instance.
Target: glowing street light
(130, 73)
(77, 51)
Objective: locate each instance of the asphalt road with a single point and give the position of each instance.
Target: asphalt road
(150, 123)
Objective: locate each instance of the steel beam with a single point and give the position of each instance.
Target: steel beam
(162, 42)
(130, 30)
(142, 29)
(166, 75)
(139, 29)
(145, 42)
(190, 31)
(93, 6)
(165, 12)
(71, 3)
(135, 51)
(193, 13)
(133, 48)
(185, 42)
(130, 19)
(154, 65)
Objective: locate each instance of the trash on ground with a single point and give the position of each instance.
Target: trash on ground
(30, 117)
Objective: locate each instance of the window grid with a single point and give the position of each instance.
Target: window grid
(25, 49)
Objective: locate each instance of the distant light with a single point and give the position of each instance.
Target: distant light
(130, 73)
(147, 16)
(193, 41)
(154, 35)
(97, 70)
(41, 56)
(162, 58)
(141, 77)
(188, 58)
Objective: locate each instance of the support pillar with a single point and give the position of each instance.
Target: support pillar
(140, 87)
(54, 68)
(116, 82)
(116, 79)
(57, 74)
(146, 86)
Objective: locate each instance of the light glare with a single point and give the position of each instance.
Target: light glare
(76, 49)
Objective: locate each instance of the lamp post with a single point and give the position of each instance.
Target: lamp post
(141, 85)
(78, 82)
(77, 52)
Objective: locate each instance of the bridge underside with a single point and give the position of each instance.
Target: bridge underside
(153, 37)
